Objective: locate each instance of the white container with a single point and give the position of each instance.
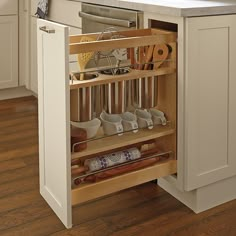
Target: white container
(144, 118)
(129, 122)
(91, 126)
(158, 117)
(111, 124)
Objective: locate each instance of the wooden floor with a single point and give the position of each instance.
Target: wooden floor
(143, 210)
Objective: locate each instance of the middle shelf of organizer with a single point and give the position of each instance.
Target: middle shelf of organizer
(111, 143)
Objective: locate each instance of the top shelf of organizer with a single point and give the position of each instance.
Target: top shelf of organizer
(129, 39)
(144, 49)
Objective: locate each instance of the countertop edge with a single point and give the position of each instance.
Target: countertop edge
(228, 8)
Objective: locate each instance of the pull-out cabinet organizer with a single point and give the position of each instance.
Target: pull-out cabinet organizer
(56, 109)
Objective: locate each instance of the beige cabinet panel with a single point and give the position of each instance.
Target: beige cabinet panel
(209, 102)
(8, 51)
(8, 7)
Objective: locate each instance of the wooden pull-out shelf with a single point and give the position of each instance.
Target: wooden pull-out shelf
(114, 142)
(161, 134)
(90, 191)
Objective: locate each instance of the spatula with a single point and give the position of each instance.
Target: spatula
(160, 53)
(83, 58)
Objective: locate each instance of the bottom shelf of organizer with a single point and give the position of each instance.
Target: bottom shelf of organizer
(90, 191)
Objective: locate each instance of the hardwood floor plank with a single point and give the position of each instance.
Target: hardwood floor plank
(14, 187)
(18, 174)
(17, 122)
(24, 215)
(17, 130)
(11, 165)
(212, 225)
(7, 146)
(43, 226)
(173, 221)
(96, 227)
(153, 208)
(19, 153)
(105, 206)
(18, 200)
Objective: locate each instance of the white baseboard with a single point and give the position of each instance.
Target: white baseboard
(15, 93)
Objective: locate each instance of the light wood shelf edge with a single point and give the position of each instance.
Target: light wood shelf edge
(115, 142)
(133, 74)
(134, 40)
(91, 191)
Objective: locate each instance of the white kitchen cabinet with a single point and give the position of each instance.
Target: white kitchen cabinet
(210, 110)
(9, 51)
(54, 48)
(206, 171)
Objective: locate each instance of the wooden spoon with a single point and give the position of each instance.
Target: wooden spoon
(148, 56)
(83, 58)
(160, 54)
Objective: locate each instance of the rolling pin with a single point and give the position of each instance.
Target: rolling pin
(117, 171)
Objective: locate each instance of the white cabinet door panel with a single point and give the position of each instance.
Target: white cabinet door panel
(8, 7)
(210, 106)
(33, 55)
(53, 97)
(8, 51)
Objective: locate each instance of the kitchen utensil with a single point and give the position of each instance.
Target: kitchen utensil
(132, 57)
(158, 117)
(84, 58)
(78, 135)
(116, 97)
(160, 54)
(87, 102)
(145, 92)
(148, 57)
(91, 126)
(141, 57)
(112, 159)
(120, 54)
(111, 123)
(129, 121)
(144, 118)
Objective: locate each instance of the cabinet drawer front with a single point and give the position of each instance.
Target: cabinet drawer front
(62, 11)
(65, 12)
